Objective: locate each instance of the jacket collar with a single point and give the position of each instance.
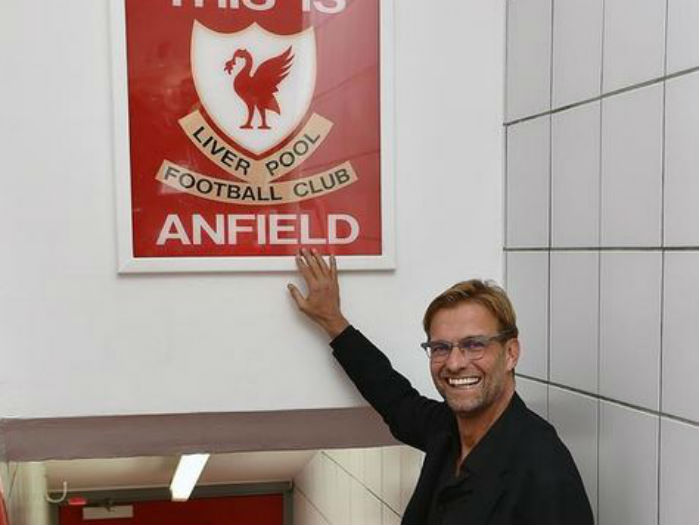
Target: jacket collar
(491, 453)
(486, 465)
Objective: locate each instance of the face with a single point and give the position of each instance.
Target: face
(472, 386)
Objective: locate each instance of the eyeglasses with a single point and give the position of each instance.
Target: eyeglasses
(474, 346)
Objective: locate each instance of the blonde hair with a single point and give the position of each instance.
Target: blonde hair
(486, 293)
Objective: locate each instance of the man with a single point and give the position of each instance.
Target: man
(488, 458)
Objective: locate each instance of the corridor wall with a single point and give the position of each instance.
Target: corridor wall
(601, 241)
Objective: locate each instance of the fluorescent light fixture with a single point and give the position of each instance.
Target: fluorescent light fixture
(186, 475)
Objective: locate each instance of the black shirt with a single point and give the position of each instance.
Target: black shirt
(519, 472)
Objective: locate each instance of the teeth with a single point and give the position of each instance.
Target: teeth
(463, 381)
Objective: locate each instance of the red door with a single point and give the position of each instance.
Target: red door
(233, 510)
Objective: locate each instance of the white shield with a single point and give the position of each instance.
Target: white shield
(211, 51)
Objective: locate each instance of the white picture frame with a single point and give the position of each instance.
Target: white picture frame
(128, 263)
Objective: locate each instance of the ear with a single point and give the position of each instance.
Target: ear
(512, 353)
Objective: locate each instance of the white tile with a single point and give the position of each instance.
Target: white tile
(357, 509)
(391, 476)
(681, 162)
(4, 478)
(630, 327)
(577, 50)
(633, 43)
(527, 184)
(389, 517)
(631, 168)
(305, 513)
(340, 455)
(26, 503)
(309, 479)
(372, 477)
(678, 499)
(341, 496)
(355, 462)
(682, 38)
(411, 463)
(300, 513)
(573, 324)
(372, 510)
(324, 488)
(527, 278)
(528, 57)
(576, 176)
(680, 335)
(575, 417)
(534, 394)
(628, 466)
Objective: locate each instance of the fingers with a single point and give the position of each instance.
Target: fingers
(304, 269)
(334, 268)
(322, 263)
(297, 296)
(315, 263)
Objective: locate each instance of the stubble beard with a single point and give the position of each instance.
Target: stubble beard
(491, 388)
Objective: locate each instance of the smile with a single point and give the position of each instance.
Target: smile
(463, 381)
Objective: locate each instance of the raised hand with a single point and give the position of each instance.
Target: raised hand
(322, 305)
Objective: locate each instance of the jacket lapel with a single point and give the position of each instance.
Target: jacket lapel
(436, 454)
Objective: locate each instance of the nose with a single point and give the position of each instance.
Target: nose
(457, 359)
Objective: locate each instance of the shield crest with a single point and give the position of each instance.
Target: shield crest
(255, 85)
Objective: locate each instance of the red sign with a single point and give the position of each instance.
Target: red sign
(254, 127)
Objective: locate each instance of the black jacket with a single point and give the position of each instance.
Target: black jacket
(520, 471)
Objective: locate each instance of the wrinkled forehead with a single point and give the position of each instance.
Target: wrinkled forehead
(462, 320)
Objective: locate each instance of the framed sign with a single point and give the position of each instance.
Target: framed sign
(247, 129)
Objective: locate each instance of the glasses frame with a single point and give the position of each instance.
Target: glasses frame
(474, 355)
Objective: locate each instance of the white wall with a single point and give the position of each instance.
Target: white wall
(602, 143)
(356, 486)
(83, 341)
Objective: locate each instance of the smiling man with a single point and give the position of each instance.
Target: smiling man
(488, 458)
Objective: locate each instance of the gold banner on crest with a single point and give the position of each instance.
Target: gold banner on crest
(241, 165)
(233, 192)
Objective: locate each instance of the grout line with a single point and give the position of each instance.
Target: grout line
(361, 482)
(604, 249)
(603, 96)
(548, 321)
(609, 400)
(663, 263)
(599, 251)
(661, 384)
(505, 62)
(597, 460)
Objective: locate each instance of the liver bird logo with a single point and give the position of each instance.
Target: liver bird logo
(257, 90)
(255, 85)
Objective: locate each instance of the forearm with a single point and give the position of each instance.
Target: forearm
(407, 413)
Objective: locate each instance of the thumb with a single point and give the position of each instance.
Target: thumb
(296, 295)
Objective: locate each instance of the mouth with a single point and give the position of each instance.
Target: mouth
(463, 382)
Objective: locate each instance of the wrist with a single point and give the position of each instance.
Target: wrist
(335, 326)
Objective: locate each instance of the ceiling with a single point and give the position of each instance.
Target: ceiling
(157, 471)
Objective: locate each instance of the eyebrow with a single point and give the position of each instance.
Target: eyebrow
(476, 336)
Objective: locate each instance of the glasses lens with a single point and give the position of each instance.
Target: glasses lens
(437, 349)
(474, 344)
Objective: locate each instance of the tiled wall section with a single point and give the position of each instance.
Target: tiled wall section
(24, 487)
(356, 486)
(601, 241)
